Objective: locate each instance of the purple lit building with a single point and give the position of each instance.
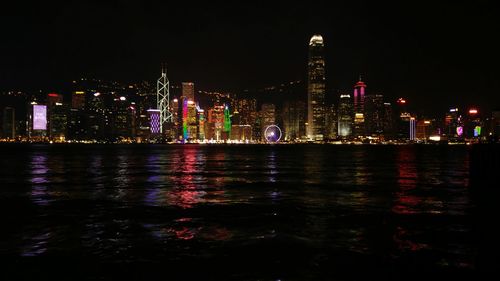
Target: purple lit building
(154, 121)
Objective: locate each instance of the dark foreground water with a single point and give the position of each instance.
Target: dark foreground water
(291, 212)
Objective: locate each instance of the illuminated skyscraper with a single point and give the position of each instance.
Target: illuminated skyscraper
(201, 119)
(227, 121)
(412, 129)
(189, 125)
(37, 120)
(294, 113)
(316, 89)
(57, 116)
(359, 96)
(374, 115)
(345, 114)
(215, 123)
(331, 130)
(154, 121)
(268, 117)
(188, 90)
(359, 108)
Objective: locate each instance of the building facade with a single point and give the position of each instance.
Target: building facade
(316, 89)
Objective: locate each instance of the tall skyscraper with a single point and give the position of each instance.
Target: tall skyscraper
(189, 125)
(57, 116)
(345, 114)
(294, 120)
(374, 113)
(316, 89)
(359, 96)
(188, 90)
(268, 115)
(359, 108)
(331, 122)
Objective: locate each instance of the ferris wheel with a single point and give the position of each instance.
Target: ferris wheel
(272, 134)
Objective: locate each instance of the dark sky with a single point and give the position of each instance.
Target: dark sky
(435, 54)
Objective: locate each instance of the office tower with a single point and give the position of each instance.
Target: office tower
(96, 120)
(345, 116)
(53, 99)
(215, 123)
(331, 122)
(154, 121)
(57, 117)
(403, 119)
(359, 96)
(453, 124)
(412, 129)
(472, 124)
(122, 119)
(294, 119)
(58, 122)
(374, 114)
(9, 123)
(227, 122)
(189, 125)
(268, 117)
(37, 120)
(188, 90)
(359, 108)
(78, 100)
(316, 89)
(201, 120)
(388, 121)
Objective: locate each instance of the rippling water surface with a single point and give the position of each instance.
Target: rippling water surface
(291, 212)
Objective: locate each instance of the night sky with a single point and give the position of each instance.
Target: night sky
(435, 54)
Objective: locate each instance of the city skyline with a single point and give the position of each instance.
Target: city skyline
(249, 140)
(441, 58)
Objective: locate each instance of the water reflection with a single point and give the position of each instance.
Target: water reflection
(361, 174)
(39, 179)
(211, 205)
(36, 245)
(271, 166)
(405, 201)
(187, 181)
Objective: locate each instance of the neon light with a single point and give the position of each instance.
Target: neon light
(39, 117)
(460, 130)
(79, 92)
(427, 122)
(454, 110)
(473, 111)
(185, 119)
(53, 95)
(401, 100)
(227, 120)
(477, 131)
